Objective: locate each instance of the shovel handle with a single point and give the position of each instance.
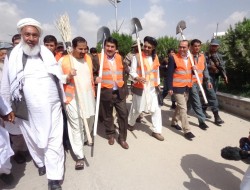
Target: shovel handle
(197, 77)
(98, 94)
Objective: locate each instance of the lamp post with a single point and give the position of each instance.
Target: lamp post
(114, 3)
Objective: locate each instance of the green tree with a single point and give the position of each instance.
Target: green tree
(205, 46)
(164, 44)
(236, 48)
(125, 42)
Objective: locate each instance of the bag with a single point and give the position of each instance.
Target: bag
(20, 108)
(159, 96)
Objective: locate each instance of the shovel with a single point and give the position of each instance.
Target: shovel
(135, 29)
(102, 34)
(179, 29)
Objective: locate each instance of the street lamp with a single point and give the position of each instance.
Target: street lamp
(114, 3)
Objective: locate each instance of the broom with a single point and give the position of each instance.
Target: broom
(63, 26)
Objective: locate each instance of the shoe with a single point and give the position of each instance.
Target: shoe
(111, 140)
(123, 144)
(41, 170)
(206, 114)
(54, 185)
(19, 158)
(203, 126)
(7, 178)
(176, 127)
(217, 119)
(131, 128)
(138, 120)
(79, 164)
(158, 136)
(189, 135)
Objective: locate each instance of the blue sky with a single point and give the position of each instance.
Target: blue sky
(158, 17)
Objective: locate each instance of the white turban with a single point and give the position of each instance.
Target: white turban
(29, 22)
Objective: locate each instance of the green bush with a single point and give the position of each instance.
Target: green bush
(235, 46)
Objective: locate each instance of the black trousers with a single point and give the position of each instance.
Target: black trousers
(106, 108)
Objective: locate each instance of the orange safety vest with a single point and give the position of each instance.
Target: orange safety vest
(58, 56)
(200, 66)
(183, 74)
(151, 73)
(112, 72)
(69, 88)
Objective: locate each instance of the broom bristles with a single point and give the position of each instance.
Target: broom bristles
(63, 25)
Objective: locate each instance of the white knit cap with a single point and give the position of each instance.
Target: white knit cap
(29, 22)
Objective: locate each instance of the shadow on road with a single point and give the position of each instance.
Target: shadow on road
(203, 173)
(18, 172)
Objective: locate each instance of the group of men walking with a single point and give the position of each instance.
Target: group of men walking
(44, 83)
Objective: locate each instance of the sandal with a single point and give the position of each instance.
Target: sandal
(79, 164)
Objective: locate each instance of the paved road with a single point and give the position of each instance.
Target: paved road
(174, 164)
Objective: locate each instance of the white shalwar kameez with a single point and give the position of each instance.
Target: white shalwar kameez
(245, 183)
(43, 132)
(147, 102)
(5, 149)
(75, 115)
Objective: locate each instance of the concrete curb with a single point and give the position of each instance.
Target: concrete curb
(237, 105)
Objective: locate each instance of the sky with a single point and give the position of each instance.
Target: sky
(158, 17)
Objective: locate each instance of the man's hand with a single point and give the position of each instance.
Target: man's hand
(170, 92)
(71, 74)
(140, 79)
(209, 85)
(214, 69)
(194, 68)
(10, 117)
(98, 80)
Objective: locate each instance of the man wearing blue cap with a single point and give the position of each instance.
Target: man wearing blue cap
(215, 64)
(216, 68)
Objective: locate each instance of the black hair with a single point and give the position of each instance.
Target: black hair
(93, 50)
(16, 37)
(77, 40)
(185, 41)
(49, 39)
(111, 40)
(169, 50)
(195, 41)
(153, 42)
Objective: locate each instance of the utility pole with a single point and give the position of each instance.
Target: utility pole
(114, 3)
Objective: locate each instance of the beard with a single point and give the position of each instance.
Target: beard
(30, 51)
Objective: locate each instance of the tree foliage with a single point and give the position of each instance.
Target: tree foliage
(236, 48)
(164, 44)
(125, 42)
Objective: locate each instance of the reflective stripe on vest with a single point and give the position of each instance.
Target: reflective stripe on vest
(183, 74)
(69, 88)
(200, 66)
(112, 73)
(151, 72)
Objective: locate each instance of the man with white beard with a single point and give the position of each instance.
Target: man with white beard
(32, 73)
